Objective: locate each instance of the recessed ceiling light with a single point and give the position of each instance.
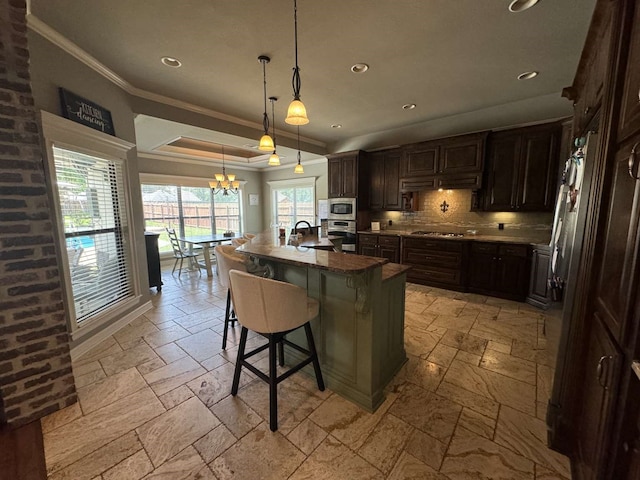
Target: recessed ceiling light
(521, 5)
(171, 62)
(408, 106)
(359, 68)
(527, 75)
(336, 125)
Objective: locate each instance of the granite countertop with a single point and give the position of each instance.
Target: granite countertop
(267, 245)
(392, 270)
(533, 239)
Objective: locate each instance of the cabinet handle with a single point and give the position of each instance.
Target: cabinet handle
(587, 110)
(600, 370)
(633, 172)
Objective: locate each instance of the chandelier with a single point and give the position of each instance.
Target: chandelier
(297, 113)
(224, 183)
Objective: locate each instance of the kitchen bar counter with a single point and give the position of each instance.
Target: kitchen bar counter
(267, 246)
(359, 331)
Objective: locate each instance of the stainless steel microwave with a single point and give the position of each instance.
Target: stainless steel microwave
(342, 208)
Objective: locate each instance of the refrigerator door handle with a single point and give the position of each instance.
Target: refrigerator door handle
(633, 169)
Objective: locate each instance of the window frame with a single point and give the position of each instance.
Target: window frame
(304, 182)
(183, 181)
(72, 136)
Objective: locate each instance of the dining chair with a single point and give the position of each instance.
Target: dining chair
(180, 254)
(273, 309)
(236, 242)
(228, 260)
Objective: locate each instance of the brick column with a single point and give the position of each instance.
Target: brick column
(35, 366)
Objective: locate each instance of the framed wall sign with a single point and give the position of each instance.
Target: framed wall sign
(86, 112)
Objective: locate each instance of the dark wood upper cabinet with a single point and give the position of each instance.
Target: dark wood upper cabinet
(420, 159)
(384, 184)
(454, 162)
(617, 259)
(344, 175)
(630, 108)
(522, 169)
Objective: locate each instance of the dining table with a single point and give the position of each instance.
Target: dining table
(206, 242)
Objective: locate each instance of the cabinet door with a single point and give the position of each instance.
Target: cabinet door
(599, 387)
(630, 114)
(350, 176)
(335, 177)
(389, 248)
(420, 159)
(538, 167)
(482, 271)
(392, 195)
(369, 250)
(617, 259)
(376, 180)
(463, 155)
(539, 275)
(512, 276)
(504, 155)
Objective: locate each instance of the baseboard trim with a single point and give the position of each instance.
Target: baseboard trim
(94, 340)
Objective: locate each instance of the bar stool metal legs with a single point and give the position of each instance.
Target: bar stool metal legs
(276, 348)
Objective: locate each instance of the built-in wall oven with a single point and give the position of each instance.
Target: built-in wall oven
(342, 209)
(347, 230)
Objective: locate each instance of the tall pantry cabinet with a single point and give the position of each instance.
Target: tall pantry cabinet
(594, 413)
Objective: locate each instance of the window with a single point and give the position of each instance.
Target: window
(293, 201)
(92, 204)
(191, 210)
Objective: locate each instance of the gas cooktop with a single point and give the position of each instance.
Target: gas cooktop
(437, 234)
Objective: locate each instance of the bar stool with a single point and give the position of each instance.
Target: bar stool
(272, 309)
(237, 242)
(228, 260)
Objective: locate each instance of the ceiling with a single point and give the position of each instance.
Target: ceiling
(456, 60)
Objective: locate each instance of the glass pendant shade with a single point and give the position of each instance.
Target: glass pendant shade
(235, 184)
(219, 177)
(231, 177)
(298, 169)
(297, 113)
(274, 159)
(266, 143)
(213, 184)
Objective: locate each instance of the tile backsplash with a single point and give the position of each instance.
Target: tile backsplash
(458, 218)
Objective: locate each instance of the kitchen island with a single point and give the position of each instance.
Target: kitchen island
(359, 332)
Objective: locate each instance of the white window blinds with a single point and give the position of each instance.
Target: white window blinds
(92, 201)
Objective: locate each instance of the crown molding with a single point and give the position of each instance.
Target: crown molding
(55, 37)
(195, 161)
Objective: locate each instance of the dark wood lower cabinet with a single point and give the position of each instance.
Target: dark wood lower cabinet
(599, 391)
(499, 269)
(440, 263)
(382, 246)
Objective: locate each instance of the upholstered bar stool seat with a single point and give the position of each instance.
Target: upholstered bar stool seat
(228, 260)
(272, 309)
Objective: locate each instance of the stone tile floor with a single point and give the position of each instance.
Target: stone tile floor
(154, 401)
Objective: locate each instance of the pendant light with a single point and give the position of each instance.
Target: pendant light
(274, 159)
(224, 183)
(298, 168)
(297, 113)
(266, 142)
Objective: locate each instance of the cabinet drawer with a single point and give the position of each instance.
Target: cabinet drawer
(513, 250)
(424, 257)
(368, 239)
(432, 244)
(490, 248)
(389, 240)
(450, 277)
